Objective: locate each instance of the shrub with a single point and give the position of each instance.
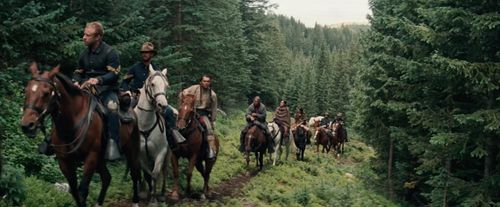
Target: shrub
(12, 187)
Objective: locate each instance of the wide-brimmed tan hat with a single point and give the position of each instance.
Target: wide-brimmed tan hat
(148, 47)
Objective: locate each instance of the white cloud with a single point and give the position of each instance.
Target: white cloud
(325, 12)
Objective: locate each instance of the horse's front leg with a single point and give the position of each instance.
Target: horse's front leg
(69, 171)
(192, 162)
(174, 195)
(247, 158)
(105, 180)
(257, 158)
(261, 160)
(89, 167)
(159, 161)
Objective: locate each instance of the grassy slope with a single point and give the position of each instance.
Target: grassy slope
(321, 180)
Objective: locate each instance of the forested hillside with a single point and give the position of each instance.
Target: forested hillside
(429, 100)
(247, 50)
(420, 84)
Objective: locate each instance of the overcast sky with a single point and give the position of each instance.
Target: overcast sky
(325, 12)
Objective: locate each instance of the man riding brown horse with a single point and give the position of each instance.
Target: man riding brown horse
(98, 66)
(299, 115)
(325, 124)
(340, 119)
(206, 107)
(256, 115)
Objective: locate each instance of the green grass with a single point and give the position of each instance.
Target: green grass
(320, 180)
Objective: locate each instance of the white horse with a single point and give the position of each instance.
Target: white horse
(313, 124)
(154, 150)
(278, 144)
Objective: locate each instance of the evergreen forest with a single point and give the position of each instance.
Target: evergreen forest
(419, 87)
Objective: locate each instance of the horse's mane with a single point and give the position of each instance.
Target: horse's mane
(68, 84)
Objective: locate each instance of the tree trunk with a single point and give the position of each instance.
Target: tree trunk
(389, 168)
(488, 162)
(177, 23)
(448, 172)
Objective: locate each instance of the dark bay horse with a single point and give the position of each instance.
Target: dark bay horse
(194, 149)
(300, 136)
(322, 138)
(255, 141)
(77, 132)
(338, 139)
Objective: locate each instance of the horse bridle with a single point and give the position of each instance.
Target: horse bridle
(188, 119)
(149, 87)
(42, 112)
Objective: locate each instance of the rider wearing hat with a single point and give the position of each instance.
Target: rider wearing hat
(138, 73)
(134, 80)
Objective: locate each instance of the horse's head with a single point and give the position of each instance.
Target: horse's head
(186, 110)
(336, 127)
(272, 128)
(300, 131)
(249, 137)
(155, 87)
(41, 95)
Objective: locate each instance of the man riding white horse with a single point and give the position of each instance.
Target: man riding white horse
(134, 80)
(282, 117)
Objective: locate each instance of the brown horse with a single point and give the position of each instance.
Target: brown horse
(322, 138)
(193, 149)
(255, 141)
(300, 135)
(338, 139)
(77, 131)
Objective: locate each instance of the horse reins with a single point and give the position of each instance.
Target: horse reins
(42, 113)
(54, 103)
(146, 133)
(148, 92)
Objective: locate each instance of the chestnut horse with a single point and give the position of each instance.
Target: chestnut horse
(255, 141)
(322, 138)
(194, 149)
(77, 134)
(338, 139)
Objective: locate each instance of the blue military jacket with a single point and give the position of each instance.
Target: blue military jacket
(103, 64)
(136, 76)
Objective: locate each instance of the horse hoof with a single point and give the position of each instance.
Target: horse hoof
(202, 197)
(135, 205)
(97, 205)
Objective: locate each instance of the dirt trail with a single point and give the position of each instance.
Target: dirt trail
(232, 187)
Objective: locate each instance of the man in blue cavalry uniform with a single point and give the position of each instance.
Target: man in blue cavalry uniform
(99, 65)
(256, 114)
(134, 80)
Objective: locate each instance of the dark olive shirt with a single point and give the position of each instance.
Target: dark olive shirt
(103, 64)
(260, 111)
